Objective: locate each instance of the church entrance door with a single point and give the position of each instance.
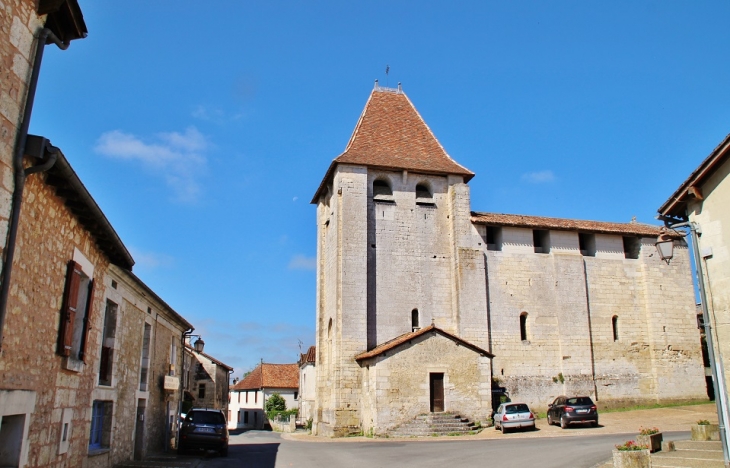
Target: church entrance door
(437, 392)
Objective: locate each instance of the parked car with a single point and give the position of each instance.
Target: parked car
(206, 429)
(513, 416)
(571, 410)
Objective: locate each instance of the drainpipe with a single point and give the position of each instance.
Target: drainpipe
(184, 335)
(45, 37)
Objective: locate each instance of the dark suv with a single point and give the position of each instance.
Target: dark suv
(568, 410)
(206, 429)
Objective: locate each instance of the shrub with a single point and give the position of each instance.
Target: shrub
(703, 422)
(275, 403)
(630, 446)
(648, 430)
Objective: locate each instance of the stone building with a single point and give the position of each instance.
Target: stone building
(140, 365)
(307, 384)
(49, 366)
(424, 305)
(248, 397)
(703, 199)
(205, 380)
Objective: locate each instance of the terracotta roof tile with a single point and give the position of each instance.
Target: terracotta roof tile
(309, 356)
(270, 376)
(562, 224)
(399, 340)
(392, 134)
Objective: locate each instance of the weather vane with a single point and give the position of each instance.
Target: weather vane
(387, 70)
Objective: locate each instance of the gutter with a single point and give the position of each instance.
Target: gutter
(46, 36)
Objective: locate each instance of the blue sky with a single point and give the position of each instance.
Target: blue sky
(203, 131)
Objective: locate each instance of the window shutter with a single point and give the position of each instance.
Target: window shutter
(87, 321)
(68, 310)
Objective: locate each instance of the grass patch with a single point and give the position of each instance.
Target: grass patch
(655, 406)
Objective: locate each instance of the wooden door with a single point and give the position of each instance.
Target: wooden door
(437, 392)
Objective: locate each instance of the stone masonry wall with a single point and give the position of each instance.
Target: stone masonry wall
(396, 386)
(29, 360)
(570, 301)
(18, 24)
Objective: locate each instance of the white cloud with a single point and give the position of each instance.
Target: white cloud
(302, 262)
(295, 199)
(178, 157)
(539, 177)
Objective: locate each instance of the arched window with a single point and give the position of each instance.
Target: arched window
(523, 326)
(382, 190)
(414, 320)
(614, 324)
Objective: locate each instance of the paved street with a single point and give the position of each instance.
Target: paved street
(548, 446)
(270, 450)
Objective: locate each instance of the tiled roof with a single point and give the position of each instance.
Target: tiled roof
(397, 341)
(561, 224)
(392, 134)
(309, 356)
(270, 376)
(676, 204)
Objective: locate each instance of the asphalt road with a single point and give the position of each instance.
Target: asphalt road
(257, 449)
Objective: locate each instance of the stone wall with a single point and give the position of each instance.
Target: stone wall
(396, 387)
(29, 360)
(714, 219)
(18, 24)
(570, 301)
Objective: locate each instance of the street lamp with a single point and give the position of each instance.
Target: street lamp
(199, 343)
(664, 245)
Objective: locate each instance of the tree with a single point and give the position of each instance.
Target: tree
(275, 403)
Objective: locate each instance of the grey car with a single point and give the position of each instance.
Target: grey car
(513, 416)
(204, 429)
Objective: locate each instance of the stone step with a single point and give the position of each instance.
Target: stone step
(695, 444)
(426, 425)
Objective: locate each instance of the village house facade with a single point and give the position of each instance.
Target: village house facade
(307, 384)
(424, 305)
(206, 381)
(140, 364)
(248, 396)
(703, 198)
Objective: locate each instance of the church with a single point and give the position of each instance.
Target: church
(425, 306)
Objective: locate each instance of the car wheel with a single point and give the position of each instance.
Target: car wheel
(224, 451)
(594, 423)
(504, 429)
(496, 427)
(550, 420)
(563, 423)
(181, 448)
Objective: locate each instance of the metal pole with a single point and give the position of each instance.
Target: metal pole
(718, 374)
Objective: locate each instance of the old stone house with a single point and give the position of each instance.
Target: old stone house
(205, 380)
(50, 361)
(703, 199)
(425, 305)
(140, 363)
(307, 384)
(248, 397)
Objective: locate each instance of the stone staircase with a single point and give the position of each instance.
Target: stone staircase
(435, 424)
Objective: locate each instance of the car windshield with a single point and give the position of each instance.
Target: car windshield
(512, 409)
(580, 401)
(206, 417)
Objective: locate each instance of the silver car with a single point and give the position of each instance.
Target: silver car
(513, 416)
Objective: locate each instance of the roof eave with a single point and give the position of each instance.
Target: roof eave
(676, 204)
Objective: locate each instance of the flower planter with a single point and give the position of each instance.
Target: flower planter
(653, 441)
(631, 459)
(705, 432)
